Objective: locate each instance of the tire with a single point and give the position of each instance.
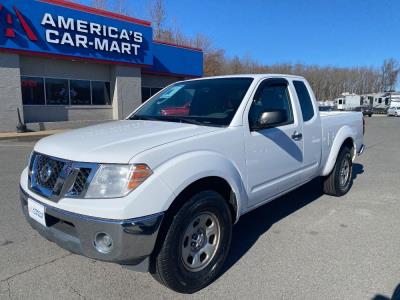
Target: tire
(340, 180)
(370, 115)
(172, 265)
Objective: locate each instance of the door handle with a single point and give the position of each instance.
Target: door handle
(297, 136)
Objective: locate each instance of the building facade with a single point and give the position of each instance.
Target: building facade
(64, 64)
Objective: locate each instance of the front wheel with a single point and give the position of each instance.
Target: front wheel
(196, 244)
(340, 180)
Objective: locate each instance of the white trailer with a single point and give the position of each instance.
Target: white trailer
(348, 101)
(382, 101)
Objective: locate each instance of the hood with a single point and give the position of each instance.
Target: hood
(117, 141)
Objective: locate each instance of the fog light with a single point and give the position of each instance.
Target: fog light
(103, 242)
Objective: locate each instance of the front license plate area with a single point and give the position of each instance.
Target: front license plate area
(37, 212)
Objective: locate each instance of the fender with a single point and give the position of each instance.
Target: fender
(182, 170)
(344, 133)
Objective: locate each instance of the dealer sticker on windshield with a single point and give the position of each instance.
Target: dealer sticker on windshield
(37, 212)
(171, 91)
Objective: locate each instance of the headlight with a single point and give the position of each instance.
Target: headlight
(113, 181)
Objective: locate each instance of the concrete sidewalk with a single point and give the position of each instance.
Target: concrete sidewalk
(28, 135)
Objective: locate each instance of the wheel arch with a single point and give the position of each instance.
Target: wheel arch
(202, 169)
(344, 137)
(213, 183)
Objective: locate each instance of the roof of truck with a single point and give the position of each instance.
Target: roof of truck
(255, 76)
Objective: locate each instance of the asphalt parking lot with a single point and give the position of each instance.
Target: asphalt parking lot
(304, 245)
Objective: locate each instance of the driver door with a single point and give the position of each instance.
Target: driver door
(274, 155)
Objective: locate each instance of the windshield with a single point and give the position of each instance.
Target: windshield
(211, 102)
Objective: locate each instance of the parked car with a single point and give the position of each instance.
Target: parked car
(393, 111)
(163, 190)
(366, 110)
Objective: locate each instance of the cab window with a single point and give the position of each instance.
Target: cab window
(307, 108)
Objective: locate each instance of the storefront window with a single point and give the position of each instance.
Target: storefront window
(57, 91)
(146, 93)
(79, 92)
(155, 90)
(101, 93)
(32, 90)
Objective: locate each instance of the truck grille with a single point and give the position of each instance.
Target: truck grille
(80, 181)
(54, 178)
(47, 171)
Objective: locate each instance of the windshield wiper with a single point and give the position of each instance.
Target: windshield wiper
(172, 119)
(147, 118)
(190, 121)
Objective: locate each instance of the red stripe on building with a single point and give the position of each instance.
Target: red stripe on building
(10, 33)
(177, 45)
(29, 32)
(71, 58)
(157, 73)
(9, 19)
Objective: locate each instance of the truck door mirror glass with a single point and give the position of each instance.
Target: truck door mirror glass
(270, 118)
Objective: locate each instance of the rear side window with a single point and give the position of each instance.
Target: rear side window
(307, 108)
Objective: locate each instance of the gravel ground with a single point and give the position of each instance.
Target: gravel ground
(304, 245)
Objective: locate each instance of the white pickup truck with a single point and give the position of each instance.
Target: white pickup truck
(163, 188)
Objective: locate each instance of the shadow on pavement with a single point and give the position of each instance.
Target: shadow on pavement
(254, 224)
(395, 296)
(357, 170)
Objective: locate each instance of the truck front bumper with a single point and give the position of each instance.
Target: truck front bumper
(132, 241)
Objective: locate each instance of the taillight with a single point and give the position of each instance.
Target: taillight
(363, 126)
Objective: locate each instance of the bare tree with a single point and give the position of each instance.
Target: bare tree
(101, 4)
(390, 73)
(158, 16)
(120, 7)
(327, 82)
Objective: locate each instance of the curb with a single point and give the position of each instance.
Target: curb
(28, 135)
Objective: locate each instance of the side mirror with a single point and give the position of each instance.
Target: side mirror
(270, 118)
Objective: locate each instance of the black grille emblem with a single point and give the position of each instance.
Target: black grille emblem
(45, 172)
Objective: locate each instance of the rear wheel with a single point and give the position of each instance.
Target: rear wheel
(196, 244)
(340, 180)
